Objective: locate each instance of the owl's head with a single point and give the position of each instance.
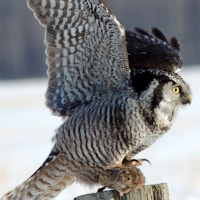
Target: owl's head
(160, 87)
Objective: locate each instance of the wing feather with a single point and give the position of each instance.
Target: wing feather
(86, 51)
(153, 51)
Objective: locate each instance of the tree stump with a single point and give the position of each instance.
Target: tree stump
(147, 192)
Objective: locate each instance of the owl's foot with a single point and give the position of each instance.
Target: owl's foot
(101, 189)
(121, 194)
(134, 162)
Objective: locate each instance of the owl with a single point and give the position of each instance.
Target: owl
(118, 92)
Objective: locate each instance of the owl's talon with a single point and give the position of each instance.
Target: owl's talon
(146, 161)
(101, 189)
(135, 162)
(121, 194)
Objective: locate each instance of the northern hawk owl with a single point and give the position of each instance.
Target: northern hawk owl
(118, 92)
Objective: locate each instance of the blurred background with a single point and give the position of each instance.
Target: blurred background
(26, 125)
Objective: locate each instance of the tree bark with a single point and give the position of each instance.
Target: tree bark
(147, 192)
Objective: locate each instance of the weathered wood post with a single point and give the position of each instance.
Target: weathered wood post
(147, 192)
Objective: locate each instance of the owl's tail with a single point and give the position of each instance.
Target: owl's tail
(46, 183)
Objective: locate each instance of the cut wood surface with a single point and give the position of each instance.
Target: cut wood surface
(147, 192)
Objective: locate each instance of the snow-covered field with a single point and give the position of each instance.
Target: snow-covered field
(26, 129)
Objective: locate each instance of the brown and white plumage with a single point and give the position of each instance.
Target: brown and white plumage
(83, 39)
(115, 111)
(45, 184)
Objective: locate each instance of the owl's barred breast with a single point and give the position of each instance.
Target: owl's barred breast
(103, 133)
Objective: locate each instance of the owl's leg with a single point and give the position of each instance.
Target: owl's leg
(113, 168)
(129, 163)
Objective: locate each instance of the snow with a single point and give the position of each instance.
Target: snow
(27, 126)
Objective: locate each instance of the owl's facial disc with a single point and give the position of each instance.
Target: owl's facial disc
(173, 93)
(161, 85)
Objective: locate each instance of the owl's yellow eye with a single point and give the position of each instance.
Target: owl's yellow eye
(176, 90)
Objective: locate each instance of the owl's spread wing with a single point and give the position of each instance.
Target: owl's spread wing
(86, 51)
(153, 51)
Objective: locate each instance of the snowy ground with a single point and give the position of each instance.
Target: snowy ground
(26, 128)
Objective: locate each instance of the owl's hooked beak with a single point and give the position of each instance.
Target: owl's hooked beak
(189, 99)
